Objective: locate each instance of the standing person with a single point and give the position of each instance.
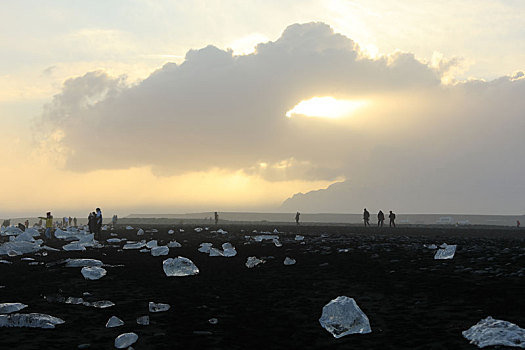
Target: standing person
(380, 218)
(91, 222)
(66, 222)
(114, 220)
(366, 217)
(27, 223)
(518, 223)
(70, 221)
(392, 218)
(75, 221)
(216, 218)
(297, 215)
(98, 222)
(49, 224)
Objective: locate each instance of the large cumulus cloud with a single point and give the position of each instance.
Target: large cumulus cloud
(217, 110)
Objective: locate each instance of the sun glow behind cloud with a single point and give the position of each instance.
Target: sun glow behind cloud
(325, 107)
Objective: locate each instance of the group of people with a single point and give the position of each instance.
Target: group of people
(380, 218)
(95, 222)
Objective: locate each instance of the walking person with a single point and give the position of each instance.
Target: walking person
(380, 218)
(366, 217)
(392, 218)
(216, 218)
(49, 224)
(75, 221)
(297, 215)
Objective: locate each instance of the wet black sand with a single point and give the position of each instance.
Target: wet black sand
(412, 301)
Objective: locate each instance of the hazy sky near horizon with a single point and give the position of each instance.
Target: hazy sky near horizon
(169, 106)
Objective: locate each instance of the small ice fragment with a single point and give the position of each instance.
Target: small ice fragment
(277, 243)
(205, 248)
(181, 230)
(5, 262)
(492, 332)
(74, 246)
(93, 273)
(446, 253)
(275, 231)
(174, 244)
(113, 240)
(33, 320)
(74, 301)
(140, 232)
(179, 267)
(125, 340)
(158, 307)
(27, 259)
(151, 244)
(431, 246)
(143, 320)
(228, 250)
(198, 229)
(145, 250)
(7, 308)
(443, 246)
(158, 251)
(289, 261)
(83, 262)
(129, 228)
(221, 231)
(104, 228)
(213, 321)
(102, 304)
(114, 321)
(299, 237)
(170, 232)
(136, 245)
(252, 261)
(342, 316)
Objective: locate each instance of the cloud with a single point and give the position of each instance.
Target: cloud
(220, 110)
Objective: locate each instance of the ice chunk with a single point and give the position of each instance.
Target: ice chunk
(11, 231)
(83, 262)
(93, 273)
(443, 246)
(151, 244)
(277, 243)
(14, 248)
(181, 230)
(261, 238)
(431, 246)
(74, 246)
(198, 229)
(7, 308)
(134, 245)
(101, 304)
(25, 236)
(158, 251)
(289, 261)
(114, 321)
(145, 250)
(299, 237)
(491, 332)
(32, 320)
(215, 252)
(125, 340)
(140, 232)
(158, 307)
(5, 262)
(342, 316)
(205, 248)
(445, 253)
(228, 250)
(74, 301)
(143, 320)
(221, 231)
(275, 231)
(252, 261)
(129, 227)
(180, 266)
(174, 244)
(213, 321)
(115, 240)
(170, 232)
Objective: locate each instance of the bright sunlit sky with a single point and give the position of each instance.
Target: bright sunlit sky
(170, 106)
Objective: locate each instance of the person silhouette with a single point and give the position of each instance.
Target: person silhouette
(366, 217)
(297, 218)
(392, 218)
(380, 218)
(216, 218)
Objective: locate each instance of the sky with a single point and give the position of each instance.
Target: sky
(315, 105)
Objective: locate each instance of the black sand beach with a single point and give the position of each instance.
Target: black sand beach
(411, 300)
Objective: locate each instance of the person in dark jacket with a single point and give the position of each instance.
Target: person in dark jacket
(380, 218)
(366, 217)
(392, 218)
